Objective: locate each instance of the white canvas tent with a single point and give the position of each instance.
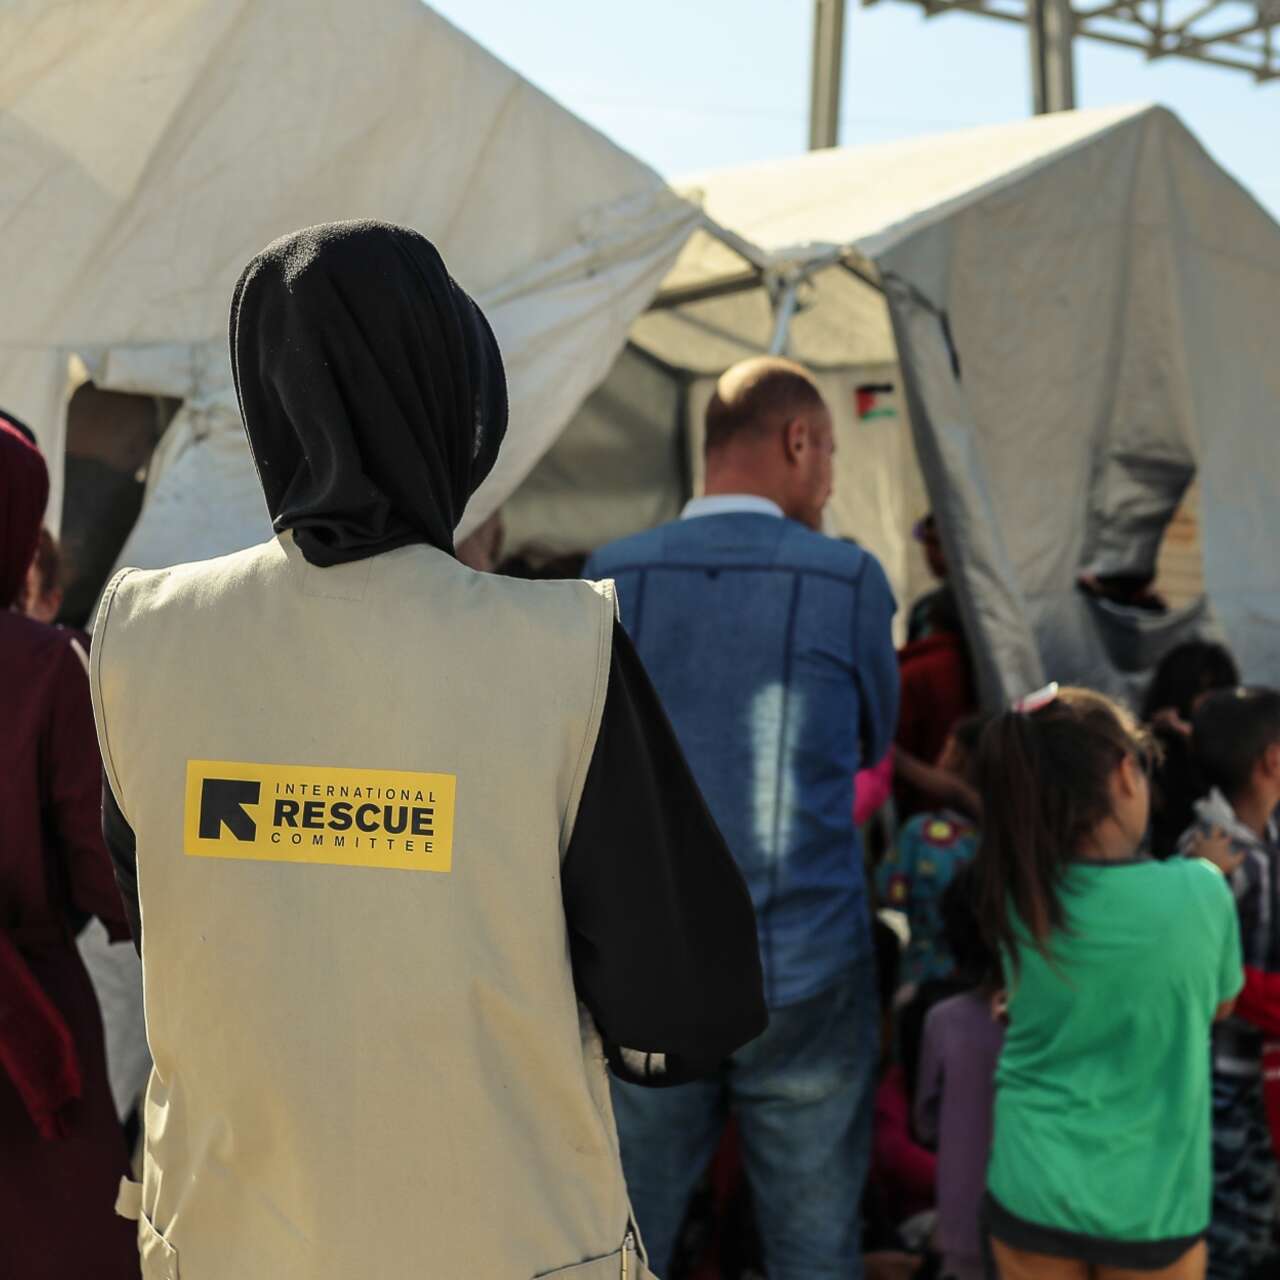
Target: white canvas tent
(1081, 310)
(150, 149)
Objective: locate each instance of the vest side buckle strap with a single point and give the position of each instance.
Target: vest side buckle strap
(628, 1262)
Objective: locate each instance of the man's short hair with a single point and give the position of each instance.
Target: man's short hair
(758, 395)
(1231, 731)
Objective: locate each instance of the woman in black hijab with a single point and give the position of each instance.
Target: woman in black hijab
(374, 400)
(371, 388)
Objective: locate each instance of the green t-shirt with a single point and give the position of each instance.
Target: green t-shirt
(1102, 1119)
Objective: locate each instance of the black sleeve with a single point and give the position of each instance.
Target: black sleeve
(122, 846)
(662, 933)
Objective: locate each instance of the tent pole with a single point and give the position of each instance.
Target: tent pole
(828, 59)
(1053, 71)
(784, 308)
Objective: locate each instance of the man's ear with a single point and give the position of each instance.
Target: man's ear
(795, 438)
(1271, 762)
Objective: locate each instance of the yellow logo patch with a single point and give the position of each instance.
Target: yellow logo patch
(304, 813)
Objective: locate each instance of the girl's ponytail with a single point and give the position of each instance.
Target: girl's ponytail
(1012, 876)
(1045, 775)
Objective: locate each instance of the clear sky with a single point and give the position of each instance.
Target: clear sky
(698, 84)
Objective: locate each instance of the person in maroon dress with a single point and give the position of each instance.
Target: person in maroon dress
(62, 1151)
(937, 693)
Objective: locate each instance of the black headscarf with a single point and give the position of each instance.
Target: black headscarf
(371, 388)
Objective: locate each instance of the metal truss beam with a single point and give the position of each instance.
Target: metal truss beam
(1217, 33)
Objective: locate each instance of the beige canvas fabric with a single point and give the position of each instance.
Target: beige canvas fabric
(1097, 354)
(370, 1059)
(151, 149)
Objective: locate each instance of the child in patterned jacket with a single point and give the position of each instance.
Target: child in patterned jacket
(931, 849)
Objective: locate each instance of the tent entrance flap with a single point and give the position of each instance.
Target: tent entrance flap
(994, 614)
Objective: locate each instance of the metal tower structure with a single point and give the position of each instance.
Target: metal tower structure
(828, 62)
(1239, 35)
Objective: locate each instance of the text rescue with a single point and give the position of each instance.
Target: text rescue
(313, 814)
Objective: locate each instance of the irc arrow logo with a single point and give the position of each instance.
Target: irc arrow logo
(222, 802)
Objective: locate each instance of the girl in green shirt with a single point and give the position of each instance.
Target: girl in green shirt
(1116, 967)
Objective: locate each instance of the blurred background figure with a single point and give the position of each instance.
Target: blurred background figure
(482, 551)
(62, 1151)
(1235, 739)
(770, 646)
(115, 971)
(42, 591)
(956, 1083)
(1185, 677)
(931, 850)
(934, 606)
(900, 1193)
(938, 692)
(8, 419)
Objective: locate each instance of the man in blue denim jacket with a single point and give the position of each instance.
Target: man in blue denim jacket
(771, 649)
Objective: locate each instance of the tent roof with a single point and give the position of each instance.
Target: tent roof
(847, 205)
(150, 150)
(1083, 310)
(870, 197)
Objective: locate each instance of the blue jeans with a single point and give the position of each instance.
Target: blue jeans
(803, 1096)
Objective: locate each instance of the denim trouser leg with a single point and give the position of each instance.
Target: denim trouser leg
(668, 1137)
(803, 1094)
(804, 1097)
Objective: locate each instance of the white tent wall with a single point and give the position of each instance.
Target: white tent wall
(152, 149)
(1083, 307)
(618, 467)
(1225, 293)
(1108, 348)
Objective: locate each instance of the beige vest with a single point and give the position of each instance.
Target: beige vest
(352, 789)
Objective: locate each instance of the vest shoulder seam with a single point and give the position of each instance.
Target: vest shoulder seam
(96, 651)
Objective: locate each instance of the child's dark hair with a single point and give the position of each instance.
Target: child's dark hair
(1045, 780)
(1186, 672)
(1230, 732)
(977, 964)
(968, 735)
(888, 948)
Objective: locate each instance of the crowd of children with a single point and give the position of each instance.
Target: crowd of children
(1085, 1023)
(1079, 956)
